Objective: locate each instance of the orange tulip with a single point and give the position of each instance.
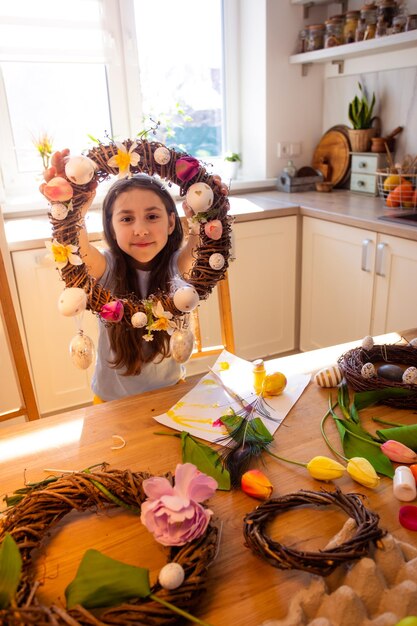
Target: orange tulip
(256, 484)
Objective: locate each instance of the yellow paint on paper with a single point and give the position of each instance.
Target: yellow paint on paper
(224, 365)
(208, 381)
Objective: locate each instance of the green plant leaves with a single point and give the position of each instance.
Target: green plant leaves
(404, 434)
(10, 570)
(102, 581)
(364, 399)
(205, 459)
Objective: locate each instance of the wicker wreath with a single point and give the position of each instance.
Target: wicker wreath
(324, 561)
(352, 362)
(175, 167)
(31, 519)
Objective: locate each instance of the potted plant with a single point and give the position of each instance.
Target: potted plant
(360, 116)
(232, 160)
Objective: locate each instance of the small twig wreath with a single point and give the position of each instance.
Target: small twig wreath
(324, 561)
(31, 519)
(353, 361)
(68, 195)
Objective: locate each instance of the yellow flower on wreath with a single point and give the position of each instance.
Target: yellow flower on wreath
(124, 159)
(63, 254)
(163, 319)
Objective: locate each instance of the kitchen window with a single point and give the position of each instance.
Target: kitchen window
(84, 69)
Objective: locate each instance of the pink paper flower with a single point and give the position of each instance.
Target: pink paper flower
(173, 513)
(112, 311)
(398, 452)
(186, 168)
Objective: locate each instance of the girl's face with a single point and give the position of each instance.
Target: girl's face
(141, 224)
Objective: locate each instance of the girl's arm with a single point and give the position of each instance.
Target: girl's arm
(93, 258)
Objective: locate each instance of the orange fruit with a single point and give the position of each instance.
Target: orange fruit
(403, 193)
(274, 384)
(392, 201)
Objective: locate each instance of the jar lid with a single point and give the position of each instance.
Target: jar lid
(387, 3)
(315, 27)
(354, 14)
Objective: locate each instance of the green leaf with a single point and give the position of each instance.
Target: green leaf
(353, 446)
(364, 399)
(343, 399)
(205, 459)
(102, 581)
(404, 434)
(10, 570)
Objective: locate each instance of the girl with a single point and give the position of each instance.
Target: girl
(144, 234)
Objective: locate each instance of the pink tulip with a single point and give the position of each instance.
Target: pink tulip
(186, 168)
(58, 190)
(256, 484)
(112, 311)
(213, 229)
(398, 452)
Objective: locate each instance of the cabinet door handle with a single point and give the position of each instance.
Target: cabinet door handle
(362, 164)
(380, 258)
(365, 254)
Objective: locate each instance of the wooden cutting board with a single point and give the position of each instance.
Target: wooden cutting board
(332, 156)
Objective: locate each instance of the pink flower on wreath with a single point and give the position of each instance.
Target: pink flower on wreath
(112, 311)
(173, 513)
(186, 168)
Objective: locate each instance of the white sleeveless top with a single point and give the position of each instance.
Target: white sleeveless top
(109, 383)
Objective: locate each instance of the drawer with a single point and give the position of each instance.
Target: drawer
(366, 163)
(365, 183)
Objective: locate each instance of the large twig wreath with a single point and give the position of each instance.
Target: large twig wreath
(324, 561)
(211, 255)
(32, 518)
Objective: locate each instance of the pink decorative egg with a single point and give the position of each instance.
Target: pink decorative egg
(213, 229)
(112, 311)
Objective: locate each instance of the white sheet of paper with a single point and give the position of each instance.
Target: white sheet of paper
(199, 411)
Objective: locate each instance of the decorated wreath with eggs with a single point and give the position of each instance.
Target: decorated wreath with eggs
(68, 193)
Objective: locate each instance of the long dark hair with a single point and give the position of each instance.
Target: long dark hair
(130, 350)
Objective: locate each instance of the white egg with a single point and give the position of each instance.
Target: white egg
(367, 343)
(80, 169)
(139, 319)
(72, 301)
(200, 197)
(81, 351)
(368, 370)
(59, 211)
(162, 155)
(186, 298)
(171, 576)
(413, 342)
(181, 344)
(329, 376)
(217, 261)
(410, 376)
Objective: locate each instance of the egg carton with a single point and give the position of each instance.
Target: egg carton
(378, 590)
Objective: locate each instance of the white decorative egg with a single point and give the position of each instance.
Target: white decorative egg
(162, 155)
(367, 343)
(139, 319)
(413, 342)
(181, 344)
(171, 576)
(186, 298)
(368, 370)
(410, 376)
(80, 169)
(329, 376)
(200, 197)
(217, 261)
(59, 211)
(81, 351)
(72, 301)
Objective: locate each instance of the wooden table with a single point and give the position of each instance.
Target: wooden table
(243, 590)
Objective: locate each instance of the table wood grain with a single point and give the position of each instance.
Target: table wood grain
(242, 589)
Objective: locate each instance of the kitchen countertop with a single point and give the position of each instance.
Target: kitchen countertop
(341, 206)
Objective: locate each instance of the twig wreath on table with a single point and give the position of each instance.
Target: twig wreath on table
(324, 561)
(191, 547)
(162, 312)
(378, 367)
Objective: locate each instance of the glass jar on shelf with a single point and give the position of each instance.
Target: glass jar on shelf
(398, 24)
(333, 35)
(350, 26)
(302, 41)
(315, 37)
(368, 14)
(360, 30)
(387, 10)
(381, 28)
(411, 22)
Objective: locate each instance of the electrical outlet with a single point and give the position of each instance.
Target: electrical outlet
(295, 149)
(283, 149)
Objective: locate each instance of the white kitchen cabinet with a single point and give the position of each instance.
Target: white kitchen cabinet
(9, 390)
(263, 287)
(355, 282)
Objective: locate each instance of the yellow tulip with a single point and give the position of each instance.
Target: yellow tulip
(256, 484)
(323, 468)
(362, 472)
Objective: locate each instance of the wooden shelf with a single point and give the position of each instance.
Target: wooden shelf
(339, 54)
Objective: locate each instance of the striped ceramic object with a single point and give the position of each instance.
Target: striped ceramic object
(329, 376)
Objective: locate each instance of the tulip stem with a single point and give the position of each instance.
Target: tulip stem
(177, 610)
(325, 437)
(281, 458)
(375, 419)
(374, 443)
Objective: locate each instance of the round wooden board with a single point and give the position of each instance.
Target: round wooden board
(333, 151)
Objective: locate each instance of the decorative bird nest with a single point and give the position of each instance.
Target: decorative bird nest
(353, 361)
(30, 521)
(129, 157)
(324, 561)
